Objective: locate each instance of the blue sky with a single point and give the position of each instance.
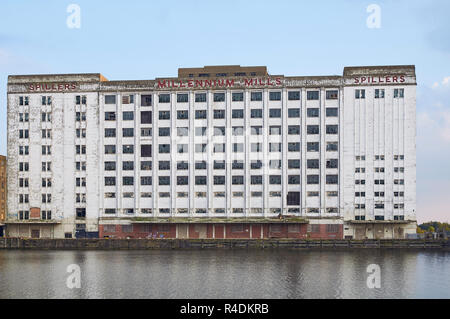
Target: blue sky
(146, 39)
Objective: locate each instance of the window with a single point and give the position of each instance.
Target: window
(200, 131)
(294, 179)
(275, 164)
(200, 97)
(146, 151)
(219, 97)
(379, 93)
(256, 113)
(256, 96)
(294, 96)
(256, 130)
(256, 179)
(164, 98)
(164, 180)
(399, 93)
(200, 180)
(312, 95)
(313, 112)
(256, 164)
(293, 113)
(238, 147)
(332, 179)
(110, 116)
(164, 131)
(110, 99)
(110, 149)
(293, 198)
(312, 163)
(294, 129)
(275, 96)
(110, 181)
(182, 98)
(46, 117)
(128, 116)
(312, 179)
(164, 115)
(360, 94)
(312, 129)
(47, 150)
(182, 166)
(256, 147)
(182, 148)
(164, 165)
(128, 149)
(312, 146)
(275, 179)
(238, 97)
(275, 113)
(219, 114)
(23, 100)
(238, 165)
(182, 180)
(332, 111)
(219, 164)
(219, 180)
(146, 117)
(146, 132)
(200, 165)
(200, 114)
(146, 100)
(182, 115)
(219, 130)
(110, 132)
(237, 180)
(128, 180)
(127, 166)
(182, 131)
(23, 133)
(293, 164)
(219, 148)
(332, 146)
(238, 130)
(146, 165)
(274, 130)
(294, 147)
(332, 95)
(200, 148)
(332, 163)
(332, 129)
(275, 147)
(237, 114)
(110, 166)
(164, 148)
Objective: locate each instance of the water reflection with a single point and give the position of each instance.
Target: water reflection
(225, 274)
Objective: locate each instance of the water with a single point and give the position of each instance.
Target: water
(225, 274)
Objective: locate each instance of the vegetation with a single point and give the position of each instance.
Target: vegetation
(432, 227)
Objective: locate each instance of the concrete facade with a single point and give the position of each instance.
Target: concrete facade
(223, 142)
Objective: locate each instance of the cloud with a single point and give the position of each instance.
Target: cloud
(442, 84)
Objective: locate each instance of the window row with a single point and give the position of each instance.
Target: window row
(146, 100)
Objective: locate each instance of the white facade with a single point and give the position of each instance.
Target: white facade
(315, 127)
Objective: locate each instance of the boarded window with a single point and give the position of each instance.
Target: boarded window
(332, 228)
(146, 151)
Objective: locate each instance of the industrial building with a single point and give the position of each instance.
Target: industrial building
(217, 152)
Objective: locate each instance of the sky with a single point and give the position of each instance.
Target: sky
(134, 39)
